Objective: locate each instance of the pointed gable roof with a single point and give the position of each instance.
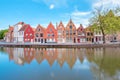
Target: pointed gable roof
(51, 26)
(19, 23)
(24, 27)
(39, 26)
(70, 23)
(81, 28)
(60, 24)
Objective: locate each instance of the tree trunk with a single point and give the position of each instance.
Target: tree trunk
(103, 35)
(104, 39)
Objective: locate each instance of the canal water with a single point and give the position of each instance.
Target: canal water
(59, 63)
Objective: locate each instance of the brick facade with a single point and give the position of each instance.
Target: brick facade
(70, 32)
(40, 34)
(51, 33)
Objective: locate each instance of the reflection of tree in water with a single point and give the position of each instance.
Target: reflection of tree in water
(107, 63)
(2, 49)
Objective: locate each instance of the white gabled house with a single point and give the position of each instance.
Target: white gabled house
(17, 27)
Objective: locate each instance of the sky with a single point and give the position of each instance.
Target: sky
(43, 12)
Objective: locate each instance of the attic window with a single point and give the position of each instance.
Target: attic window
(38, 29)
(71, 27)
(50, 29)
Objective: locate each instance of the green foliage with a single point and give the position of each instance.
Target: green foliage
(106, 21)
(2, 33)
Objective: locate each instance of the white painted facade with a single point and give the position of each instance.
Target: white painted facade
(60, 38)
(98, 37)
(17, 37)
(21, 36)
(18, 55)
(81, 38)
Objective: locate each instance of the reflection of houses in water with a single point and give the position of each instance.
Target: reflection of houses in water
(70, 57)
(10, 52)
(40, 54)
(28, 54)
(18, 55)
(61, 55)
(98, 53)
(81, 54)
(51, 55)
(89, 54)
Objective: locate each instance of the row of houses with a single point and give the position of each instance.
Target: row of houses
(22, 32)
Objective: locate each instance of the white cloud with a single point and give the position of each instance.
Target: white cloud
(79, 17)
(52, 6)
(106, 3)
(78, 13)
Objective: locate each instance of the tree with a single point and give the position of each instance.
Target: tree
(106, 21)
(2, 33)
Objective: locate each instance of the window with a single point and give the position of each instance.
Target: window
(74, 32)
(26, 34)
(28, 30)
(67, 32)
(36, 35)
(38, 29)
(88, 34)
(38, 40)
(71, 27)
(35, 40)
(59, 31)
(52, 34)
(41, 35)
(89, 39)
(50, 29)
(48, 35)
(91, 34)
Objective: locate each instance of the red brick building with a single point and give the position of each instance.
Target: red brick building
(51, 33)
(40, 34)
